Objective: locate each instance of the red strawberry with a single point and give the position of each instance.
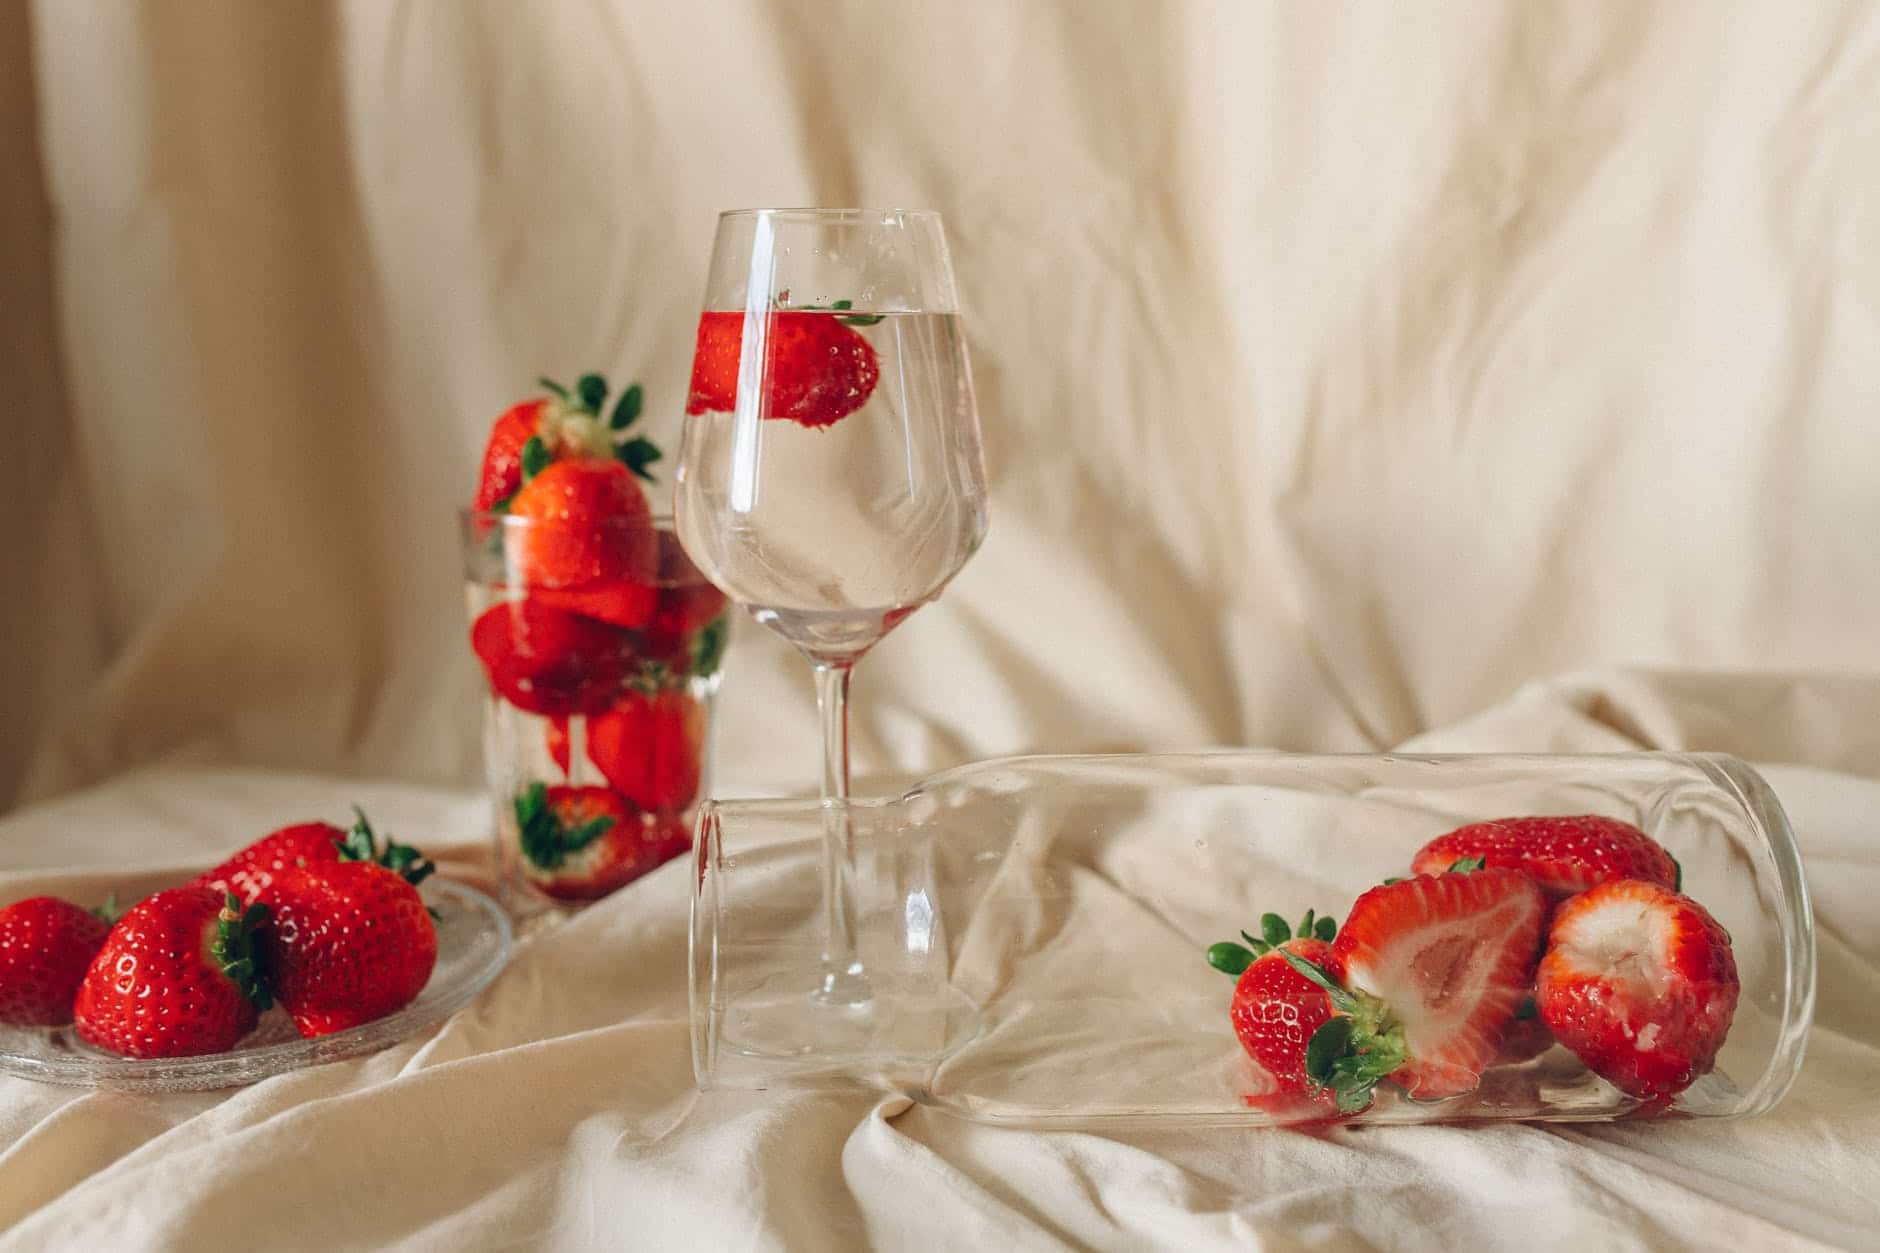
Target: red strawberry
(816, 369)
(588, 523)
(347, 943)
(580, 843)
(501, 474)
(177, 977)
(1641, 984)
(672, 636)
(648, 747)
(616, 602)
(548, 661)
(249, 872)
(1563, 854)
(1434, 968)
(1276, 1009)
(46, 945)
(558, 749)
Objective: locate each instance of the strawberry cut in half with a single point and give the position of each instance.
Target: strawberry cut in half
(817, 370)
(1276, 1010)
(46, 945)
(1564, 855)
(1640, 983)
(177, 977)
(1433, 970)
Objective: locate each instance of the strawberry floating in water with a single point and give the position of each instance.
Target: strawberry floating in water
(1640, 982)
(580, 843)
(649, 747)
(1563, 854)
(817, 370)
(548, 661)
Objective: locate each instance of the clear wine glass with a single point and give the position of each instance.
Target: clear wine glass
(830, 478)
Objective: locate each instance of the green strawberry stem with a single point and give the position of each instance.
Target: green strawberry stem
(233, 949)
(362, 844)
(589, 396)
(545, 841)
(1354, 1049)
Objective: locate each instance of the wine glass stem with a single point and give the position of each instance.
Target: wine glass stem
(843, 980)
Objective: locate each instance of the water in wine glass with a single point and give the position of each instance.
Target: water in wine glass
(832, 524)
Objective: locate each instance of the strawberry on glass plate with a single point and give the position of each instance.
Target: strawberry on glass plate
(196, 987)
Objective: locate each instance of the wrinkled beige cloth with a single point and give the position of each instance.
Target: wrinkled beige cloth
(559, 1110)
(1342, 368)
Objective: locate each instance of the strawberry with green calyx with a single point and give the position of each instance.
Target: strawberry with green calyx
(347, 944)
(566, 423)
(1275, 1011)
(178, 976)
(580, 843)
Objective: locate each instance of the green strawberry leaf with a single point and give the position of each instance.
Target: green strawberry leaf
(627, 408)
(639, 453)
(1393, 879)
(233, 949)
(108, 912)
(708, 646)
(1354, 1100)
(544, 840)
(1304, 930)
(1677, 873)
(1343, 1001)
(1273, 929)
(592, 389)
(1229, 958)
(1329, 1043)
(535, 457)
(1466, 865)
(1325, 929)
(560, 391)
(362, 844)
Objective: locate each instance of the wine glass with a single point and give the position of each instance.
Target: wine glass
(830, 478)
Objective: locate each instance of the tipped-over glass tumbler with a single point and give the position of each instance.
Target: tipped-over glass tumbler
(1040, 932)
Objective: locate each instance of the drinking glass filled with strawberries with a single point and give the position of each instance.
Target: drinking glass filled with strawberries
(600, 644)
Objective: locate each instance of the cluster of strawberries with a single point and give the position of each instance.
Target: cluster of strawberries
(1511, 936)
(326, 922)
(602, 628)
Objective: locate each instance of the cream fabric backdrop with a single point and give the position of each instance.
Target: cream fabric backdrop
(1341, 367)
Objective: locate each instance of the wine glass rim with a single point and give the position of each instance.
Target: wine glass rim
(817, 213)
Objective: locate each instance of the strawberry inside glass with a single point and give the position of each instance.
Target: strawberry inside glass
(599, 645)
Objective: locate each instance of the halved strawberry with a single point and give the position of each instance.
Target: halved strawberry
(1433, 970)
(1563, 854)
(1276, 1009)
(1641, 984)
(816, 369)
(547, 661)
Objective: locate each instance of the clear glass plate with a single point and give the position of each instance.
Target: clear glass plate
(473, 943)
